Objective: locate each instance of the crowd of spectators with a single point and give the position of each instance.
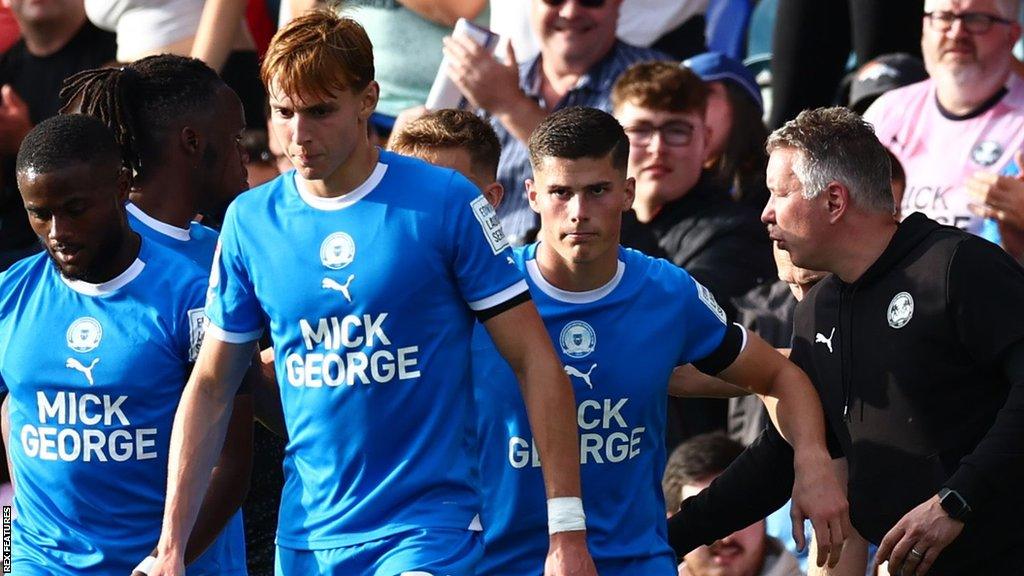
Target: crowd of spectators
(937, 79)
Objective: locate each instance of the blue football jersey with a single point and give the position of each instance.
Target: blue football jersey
(197, 242)
(370, 299)
(619, 344)
(95, 373)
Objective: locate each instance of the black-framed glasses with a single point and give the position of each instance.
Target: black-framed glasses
(672, 133)
(584, 3)
(973, 22)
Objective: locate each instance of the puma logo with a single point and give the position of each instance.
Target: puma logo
(330, 284)
(572, 371)
(74, 364)
(819, 338)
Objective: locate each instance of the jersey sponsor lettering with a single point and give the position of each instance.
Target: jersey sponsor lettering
(56, 437)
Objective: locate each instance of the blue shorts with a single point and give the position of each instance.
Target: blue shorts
(428, 552)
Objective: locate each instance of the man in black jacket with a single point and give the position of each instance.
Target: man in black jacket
(916, 345)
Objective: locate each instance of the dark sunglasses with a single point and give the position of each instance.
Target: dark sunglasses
(583, 3)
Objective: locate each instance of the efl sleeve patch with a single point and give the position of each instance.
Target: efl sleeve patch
(196, 330)
(490, 224)
(708, 299)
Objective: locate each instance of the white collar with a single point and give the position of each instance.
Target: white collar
(164, 228)
(345, 200)
(119, 281)
(586, 297)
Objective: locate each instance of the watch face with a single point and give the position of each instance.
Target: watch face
(954, 504)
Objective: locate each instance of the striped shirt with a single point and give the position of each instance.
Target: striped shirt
(593, 89)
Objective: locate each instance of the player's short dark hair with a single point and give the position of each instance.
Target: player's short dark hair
(579, 132)
(696, 460)
(451, 129)
(661, 86)
(143, 101)
(63, 141)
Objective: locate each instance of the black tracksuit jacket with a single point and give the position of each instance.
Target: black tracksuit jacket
(922, 385)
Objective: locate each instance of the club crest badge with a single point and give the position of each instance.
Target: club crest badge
(577, 339)
(337, 251)
(987, 153)
(84, 334)
(901, 310)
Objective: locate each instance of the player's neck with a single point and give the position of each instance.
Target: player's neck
(349, 176)
(126, 254)
(565, 274)
(163, 204)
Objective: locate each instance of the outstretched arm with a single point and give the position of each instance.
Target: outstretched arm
(796, 411)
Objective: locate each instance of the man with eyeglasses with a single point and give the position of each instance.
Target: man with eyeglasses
(959, 130)
(579, 60)
(679, 213)
(662, 107)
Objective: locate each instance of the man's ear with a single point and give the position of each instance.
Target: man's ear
(837, 200)
(630, 194)
(531, 195)
(494, 192)
(189, 140)
(368, 101)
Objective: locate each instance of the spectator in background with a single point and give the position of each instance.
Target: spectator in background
(812, 42)
(736, 157)
(213, 31)
(57, 41)
(579, 60)
(747, 552)
(881, 75)
(681, 213)
(675, 27)
(968, 117)
(662, 107)
(406, 38)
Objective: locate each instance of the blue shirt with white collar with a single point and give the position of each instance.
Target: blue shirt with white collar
(593, 89)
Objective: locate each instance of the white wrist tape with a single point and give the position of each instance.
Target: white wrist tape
(566, 515)
(146, 565)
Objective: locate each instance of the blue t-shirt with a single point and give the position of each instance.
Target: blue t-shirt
(619, 344)
(370, 301)
(197, 242)
(95, 373)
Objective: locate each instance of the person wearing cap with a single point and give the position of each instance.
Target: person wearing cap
(579, 60)
(736, 157)
(967, 118)
(885, 73)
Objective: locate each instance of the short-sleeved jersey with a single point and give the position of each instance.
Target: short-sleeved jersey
(939, 152)
(370, 299)
(197, 242)
(619, 344)
(95, 373)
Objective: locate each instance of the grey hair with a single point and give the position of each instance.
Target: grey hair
(837, 145)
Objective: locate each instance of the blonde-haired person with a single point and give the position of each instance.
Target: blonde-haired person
(369, 269)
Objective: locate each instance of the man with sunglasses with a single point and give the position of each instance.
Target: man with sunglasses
(579, 60)
(959, 130)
